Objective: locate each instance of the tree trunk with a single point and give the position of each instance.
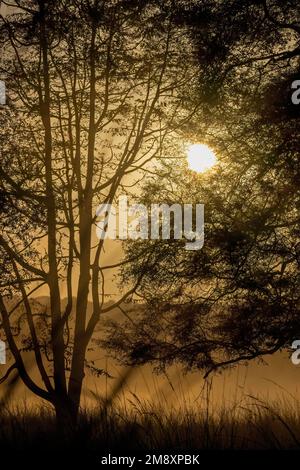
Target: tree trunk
(66, 418)
(76, 378)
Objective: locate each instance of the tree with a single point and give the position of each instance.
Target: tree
(95, 92)
(238, 298)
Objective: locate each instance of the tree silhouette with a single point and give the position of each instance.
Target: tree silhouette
(238, 298)
(95, 92)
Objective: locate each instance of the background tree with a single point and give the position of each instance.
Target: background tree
(238, 298)
(95, 92)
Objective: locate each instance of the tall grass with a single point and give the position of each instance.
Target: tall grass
(131, 423)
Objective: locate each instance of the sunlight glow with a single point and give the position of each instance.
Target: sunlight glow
(200, 158)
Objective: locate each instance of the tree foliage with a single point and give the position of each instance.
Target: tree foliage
(238, 298)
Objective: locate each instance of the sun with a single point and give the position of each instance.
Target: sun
(200, 158)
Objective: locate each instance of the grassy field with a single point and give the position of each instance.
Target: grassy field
(136, 425)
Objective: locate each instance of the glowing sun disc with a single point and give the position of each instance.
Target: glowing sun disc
(200, 158)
